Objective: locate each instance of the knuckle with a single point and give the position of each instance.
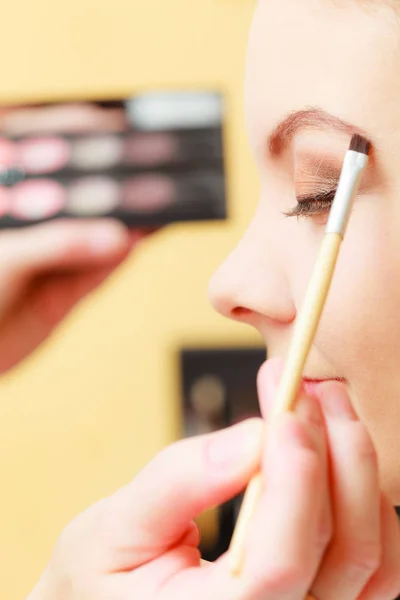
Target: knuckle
(169, 454)
(108, 527)
(174, 452)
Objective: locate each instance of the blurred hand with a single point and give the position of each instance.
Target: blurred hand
(325, 530)
(45, 270)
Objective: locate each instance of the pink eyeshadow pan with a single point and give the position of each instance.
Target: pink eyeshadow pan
(36, 199)
(151, 149)
(43, 155)
(7, 152)
(148, 193)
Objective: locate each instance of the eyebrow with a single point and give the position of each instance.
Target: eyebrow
(309, 118)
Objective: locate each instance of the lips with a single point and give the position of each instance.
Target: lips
(311, 385)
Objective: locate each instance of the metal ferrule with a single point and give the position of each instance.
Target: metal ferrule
(353, 167)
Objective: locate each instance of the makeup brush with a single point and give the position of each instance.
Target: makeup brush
(354, 165)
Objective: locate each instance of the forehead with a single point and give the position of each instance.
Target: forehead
(336, 56)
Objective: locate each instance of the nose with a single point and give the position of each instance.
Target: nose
(250, 285)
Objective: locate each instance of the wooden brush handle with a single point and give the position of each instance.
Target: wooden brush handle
(303, 336)
(249, 504)
(307, 323)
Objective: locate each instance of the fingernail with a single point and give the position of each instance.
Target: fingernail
(336, 402)
(240, 443)
(104, 239)
(309, 410)
(268, 379)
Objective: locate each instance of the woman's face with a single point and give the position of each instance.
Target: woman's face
(318, 71)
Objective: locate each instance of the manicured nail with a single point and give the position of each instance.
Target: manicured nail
(336, 402)
(238, 444)
(268, 379)
(105, 239)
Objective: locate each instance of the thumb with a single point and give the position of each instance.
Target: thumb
(157, 508)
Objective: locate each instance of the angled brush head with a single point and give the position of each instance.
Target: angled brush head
(360, 144)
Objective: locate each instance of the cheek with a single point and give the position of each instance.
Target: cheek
(359, 334)
(360, 328)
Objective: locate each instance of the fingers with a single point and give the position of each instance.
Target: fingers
(313, 414)
(46, 270)
(187, 477)
(62, 245)
(192, 536)
(268, 382)
(42, 309)
(284, 542)
(385, 583)
(282, 549)
(354, 552)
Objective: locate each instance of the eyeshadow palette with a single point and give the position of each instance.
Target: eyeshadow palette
(147, 160)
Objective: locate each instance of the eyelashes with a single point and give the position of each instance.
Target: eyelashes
(309, 205)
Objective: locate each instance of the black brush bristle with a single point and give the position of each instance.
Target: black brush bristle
(360, 144)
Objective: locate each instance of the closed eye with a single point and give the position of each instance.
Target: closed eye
(312, 205)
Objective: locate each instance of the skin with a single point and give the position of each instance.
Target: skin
(323, 524)
(126, 547)
(45, 271)
(264, 280)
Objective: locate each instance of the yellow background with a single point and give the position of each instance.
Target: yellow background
(95, 403)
